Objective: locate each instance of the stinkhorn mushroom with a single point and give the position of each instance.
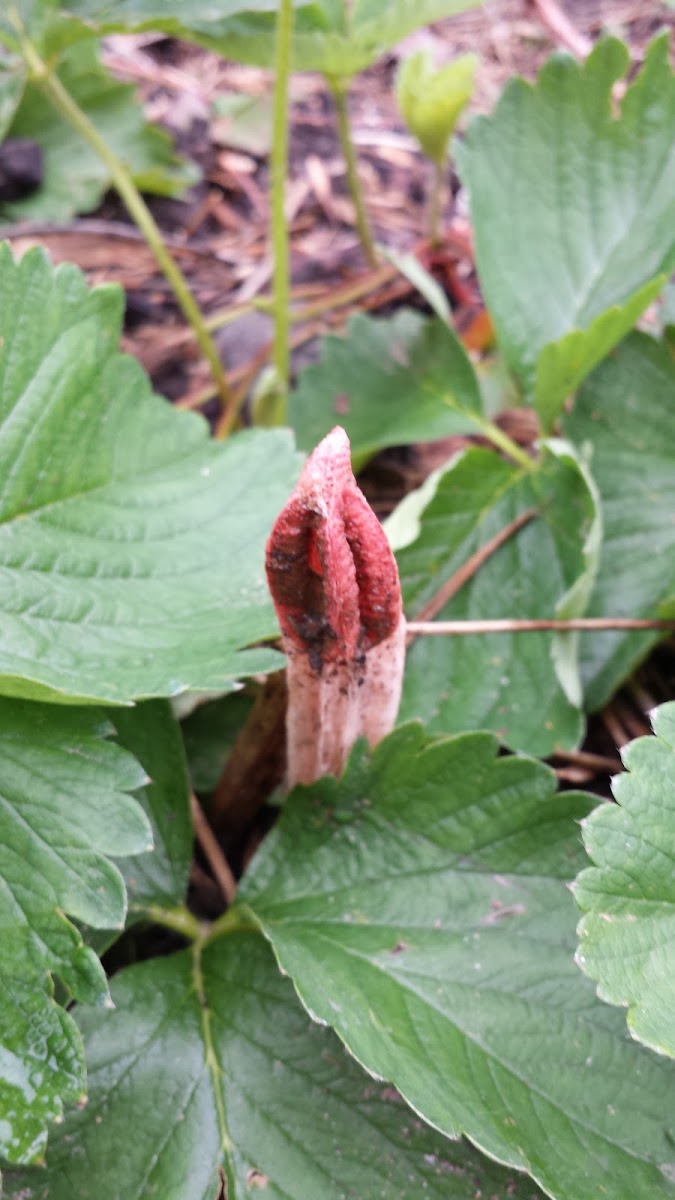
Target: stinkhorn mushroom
(335, 586)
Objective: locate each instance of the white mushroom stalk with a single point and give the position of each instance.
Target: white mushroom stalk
(335, 586)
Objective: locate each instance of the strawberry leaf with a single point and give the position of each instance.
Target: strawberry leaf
(325, 36)
(623, 415)
(573, 211)
(627, 938)
(215, 1064)
(151, 733)
(508, 682)
(111, 506)
(388, 382)
(65, 810)
(420, 906)
(75, 178)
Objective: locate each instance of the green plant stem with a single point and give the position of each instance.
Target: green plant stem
(280, 248)
(237, 919)
(138, 210)
(179, 919)
(503, 442)
(339, 91)
(436, 203)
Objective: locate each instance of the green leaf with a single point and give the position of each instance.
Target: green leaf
(326, 36)
(507, 682)
(624, 415)
(32, 16)
(209, 734)
(574, 603)
(298, 1117)
(75, 178)
(131, 544)
(420, 906)
(52, 26)
(573, 212)
(403, 526)
(42, 1067)
(243, 122)
(563, 365)
(422, 280)
(627, 938)
(152, 734)
(12, 83)
(431, 100)
(64, 812)
(388, 382)
(377, 25)
(171, 16)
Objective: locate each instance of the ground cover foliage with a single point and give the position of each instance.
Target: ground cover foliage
(421, 987)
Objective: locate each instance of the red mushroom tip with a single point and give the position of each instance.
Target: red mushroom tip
(331, 571)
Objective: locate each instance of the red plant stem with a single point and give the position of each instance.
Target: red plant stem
(562, 28)
(467, 571)
(213, 852)
(514, 625)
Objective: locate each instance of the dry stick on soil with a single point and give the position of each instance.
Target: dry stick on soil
(562, 28)
(62, 101)
(585, 758)
(527, 625)
(615, 729)
(256, 763)
(338, 298)
(636, 723)
(643, 699)
(574, 775)
(214, 855)
(457, 236)
(335, 586)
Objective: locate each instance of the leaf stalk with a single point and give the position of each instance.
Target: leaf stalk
(178, 919)
(503, 442)
(71, 112)
(237, 919)
(436, 203)
(338, 90)
(276, 409)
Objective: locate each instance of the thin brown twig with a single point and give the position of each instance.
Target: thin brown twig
(241, 378)
(144, 70)
(341, 297)
(634, 722)
(377, 287)
(575, 775)
(584, 758)
(255, 764)
(614, 727)
(644, 700)
(239, 393)
(213, 852)
(526, 625)
(424, 622)
(91, 227)
(552, 16)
